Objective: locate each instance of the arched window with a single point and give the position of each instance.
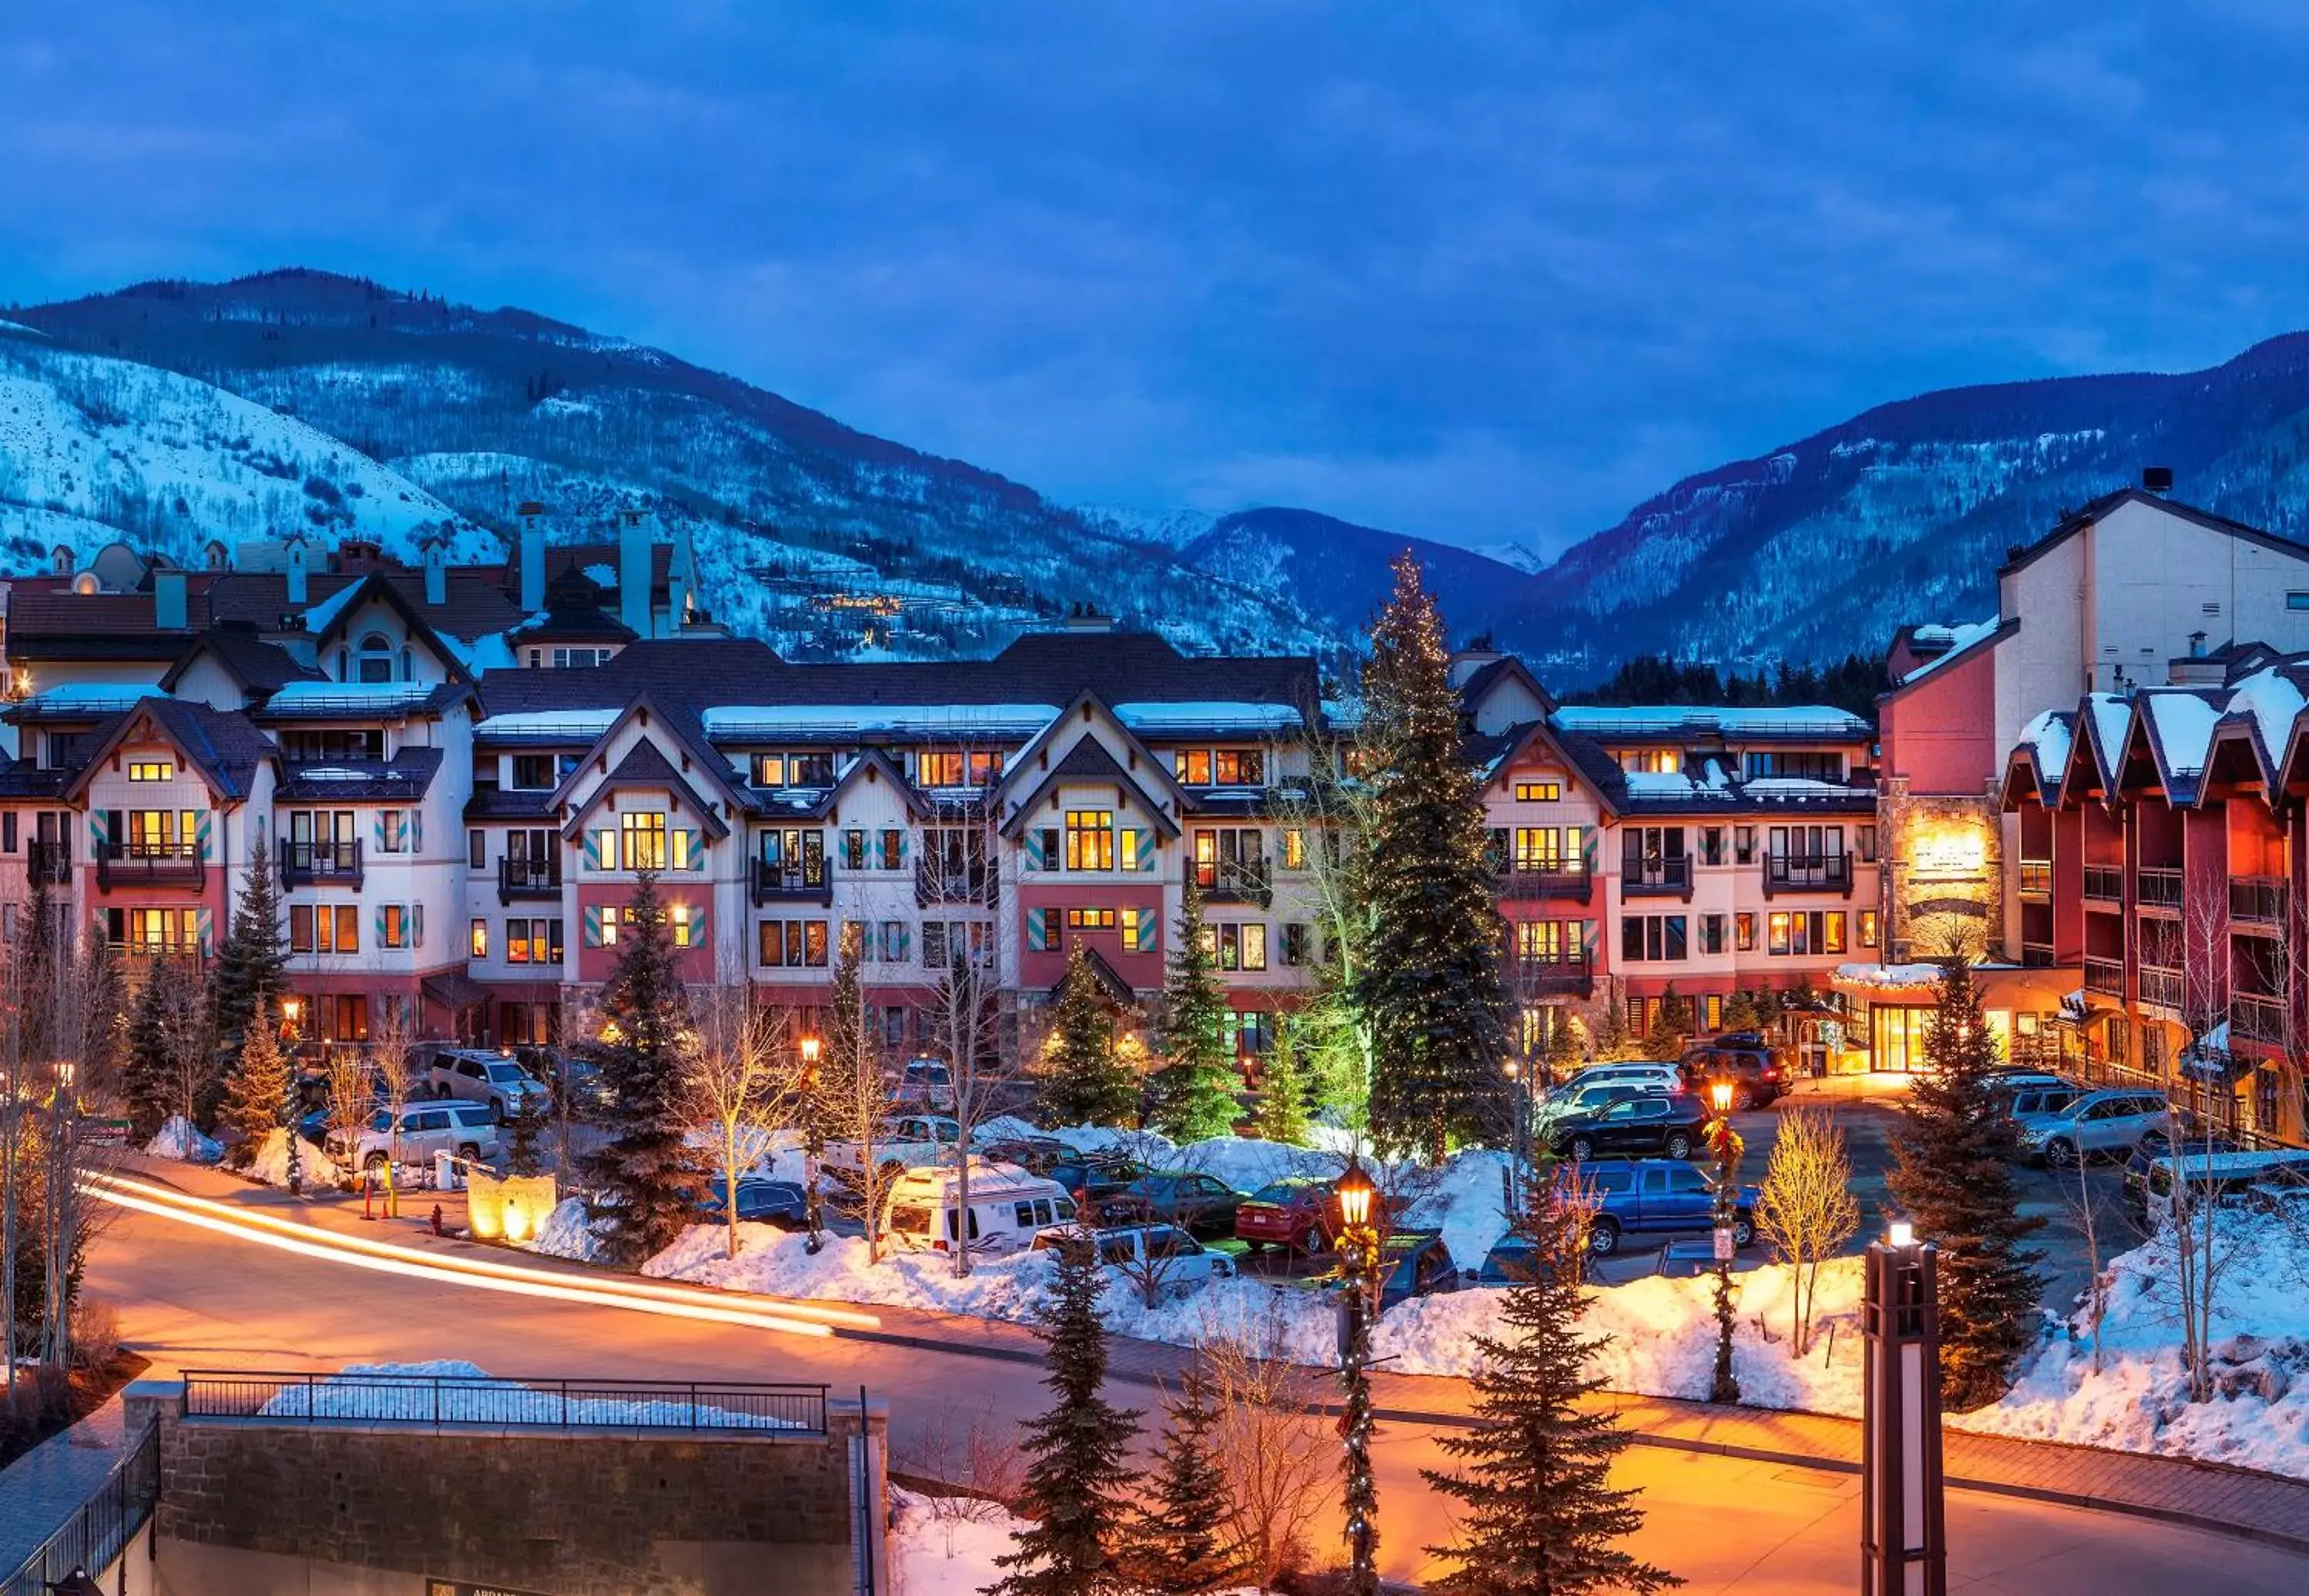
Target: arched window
(376, 657)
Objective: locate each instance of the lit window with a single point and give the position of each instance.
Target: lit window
(1192, 766)
(481, 940)
(1090, 839)
(151, 770)
(1655, 761)
(688, 923)
(1294, 848)
(1091, 919)
(1538, 792)
(1867, 927)
(641, 841)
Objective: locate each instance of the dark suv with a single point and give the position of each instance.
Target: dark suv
(1202, 1205)
(1656, 1124)
(1101, 1186)
(1758, 1072)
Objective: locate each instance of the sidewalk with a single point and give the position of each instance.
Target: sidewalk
(48, 1485)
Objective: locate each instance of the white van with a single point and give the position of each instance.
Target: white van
(1008, 1208)
(2224, 1177)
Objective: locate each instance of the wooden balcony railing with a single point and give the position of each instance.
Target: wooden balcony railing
(2037, 955)
(1656, 878)
(2104, 884)
(2105, 976)
(1570, 878)
(2161, 987)
(152, 865)
(2257, 1018)
(1830, 873)
(2035, 879)
(2158, 887)
(302, 863)
(2258, 900)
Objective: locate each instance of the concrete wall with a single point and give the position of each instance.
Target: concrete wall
(249, 1507)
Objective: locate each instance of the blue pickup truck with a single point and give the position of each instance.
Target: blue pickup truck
(1629, 1198)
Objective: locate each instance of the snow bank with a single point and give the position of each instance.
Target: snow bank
(271, 1165)
(449, 1390)
(568, 1233)
(181, 1139)
(2139, 1401)
(940, 1548)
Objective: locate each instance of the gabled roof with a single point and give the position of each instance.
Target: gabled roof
(2040, 758)
(222, 746)
(1973, 642)
(1086, 708)
(1088, 760)
(1506, 668)
(255, 666)
(1118, 991)
(1582, 755)
(374, 588)
(2099, 509)
(682, 728)
(644, 766)
(2174, 728)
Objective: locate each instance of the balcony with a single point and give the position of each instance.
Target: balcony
(2037, 955)
(1656, 877)
(1526, 883)
(305, 864)
(2105, 976)
(48, 863)
(528, 878)
(2158, 888)
(2035, 879)
(1552, 977)
(2104, 884)
(1230, 883)
(806, 881)
(142, 956)
(152, 865)
(2160, 987)
(2257, 903)
(2256, 1018)
(975, 882)
(1828, 873)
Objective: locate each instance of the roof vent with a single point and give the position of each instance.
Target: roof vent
(2156, 478)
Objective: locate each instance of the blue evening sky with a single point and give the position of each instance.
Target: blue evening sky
(1482, 272)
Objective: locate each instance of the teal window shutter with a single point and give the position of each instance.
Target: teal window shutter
(1149, 847)
(417, 925)
(383, 843)
(1150, 932)
(905, 943)
(380, 925)
(1034, 850)
(1038, 929)
(201, 832)
(99, 833)
(696, 852)
(417, 830)
(202, 924)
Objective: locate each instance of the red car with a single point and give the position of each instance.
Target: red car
(1299, 1215)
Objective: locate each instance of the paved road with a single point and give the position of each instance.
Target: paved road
(193, 1298)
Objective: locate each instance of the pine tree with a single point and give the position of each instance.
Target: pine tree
(1194, 1091)
(1741, 1012)
(648, 1183)
(147, 1079)
(1280, 1114)
(1078, 1480)
(256, 1093)
(1175, 1549)
(1564, 1048)
(1084, 1082)
(1952, 1177)
(523, 1126)
(1431, 991)
(1665, 1041)
(1538, 1515)
(252, 969)
(1612, 1042)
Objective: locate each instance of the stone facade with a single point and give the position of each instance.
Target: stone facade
(575, 1512)
(1943, 872)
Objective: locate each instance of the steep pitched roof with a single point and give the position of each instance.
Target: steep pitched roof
(644, 766)
(2098, 509)
(1088, 760)
(254, 665)
(222, 744)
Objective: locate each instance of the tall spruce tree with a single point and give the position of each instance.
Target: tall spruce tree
(252, 969)
(1194, 1091)
(1663, 1042)
(1175, 1546)
(647, 1181)
(1431, 990)
(148, 1072)
(1083, 1080)
(256, 1093)
(1953, 1158)
(1538, 1515)
(1079, 1479)
(1281, 1114)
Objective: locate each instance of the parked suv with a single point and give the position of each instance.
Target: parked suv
(1758, 1073)
(1656, 1124)
(1623, 1073)
(2034, 1101)
(1202, 1205)
(1584, 1097)
(465, 1129)
(1162, 1256)
(1414, 1264)
(2105, 1124)
(489, 1078)
(1100, 1186)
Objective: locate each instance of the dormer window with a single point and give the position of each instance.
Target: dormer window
(793, 770)
(1219, 767)
(375, 661)
(1651, 762)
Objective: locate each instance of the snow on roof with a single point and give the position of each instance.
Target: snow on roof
(601, 576)
(2273, 702)
(1959, 639)
(1668, 784)
(585, 723)
(1196, 713)
(361, 695)
(1667, 719)
(319, 618)
(2112, 714)
(975, 720)
(95, 698)
(1891, 976)
(2184, 723)
(2048, 735)
(1796, 786)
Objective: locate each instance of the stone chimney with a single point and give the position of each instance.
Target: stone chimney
(533, 556)
(634, 571)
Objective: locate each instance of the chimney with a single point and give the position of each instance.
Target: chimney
(2196, 645)
(169, 601)
(532, 557)
(436, 570)
(634, 570)
(301, 592)
(681, 580)
(2156, 478)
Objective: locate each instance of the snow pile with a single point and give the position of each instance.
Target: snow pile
(1890, 978)
(271, 1165)
(568, 1233)
(450, 1390)
(181, 1139)
(2139, 1401)
(1466, 1201)
(940, 1548)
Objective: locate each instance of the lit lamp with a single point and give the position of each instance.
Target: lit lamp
(1723, 1142)
(1903, 1527)
(1358, 1252)
(813, 1120)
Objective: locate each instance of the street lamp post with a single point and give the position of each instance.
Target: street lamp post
(813, 1144)
(1358, 1256)
(1723, 1142)
(1903, 1527)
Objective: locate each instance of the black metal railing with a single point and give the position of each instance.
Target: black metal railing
(804, 881)
(152, 864)
(2105, 976)
(2157, 886)
(1656, 876)
(2257, 1018)
(48, 863)
(2257, 899)
(528, 878)
(2035, 878)
(303, 863)
(446, 1402)
(2161, 986)
(1228, 882)
(970, 881)
(1826, 872)
(1553, 977)
(2104, 883)
(1567, 878)
(101, 1530)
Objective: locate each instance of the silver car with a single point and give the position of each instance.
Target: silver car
(1584, 1095)
(465, 1129)
(490, 1078)
(2099, 1125)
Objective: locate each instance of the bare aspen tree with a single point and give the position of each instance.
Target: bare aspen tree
(736, 1084)
(1328, 810)
(856, 1099)
(1277, 1459)
(1805, 1208)
(392, 1054)
(349, 1102)
(2200, 1252)
(187, 1040)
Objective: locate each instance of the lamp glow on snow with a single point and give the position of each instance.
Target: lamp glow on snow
(1354, 1191)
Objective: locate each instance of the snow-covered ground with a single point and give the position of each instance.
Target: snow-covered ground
(271, 1165)
(181, 1139)
(943, 1547)
(452, 1391)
